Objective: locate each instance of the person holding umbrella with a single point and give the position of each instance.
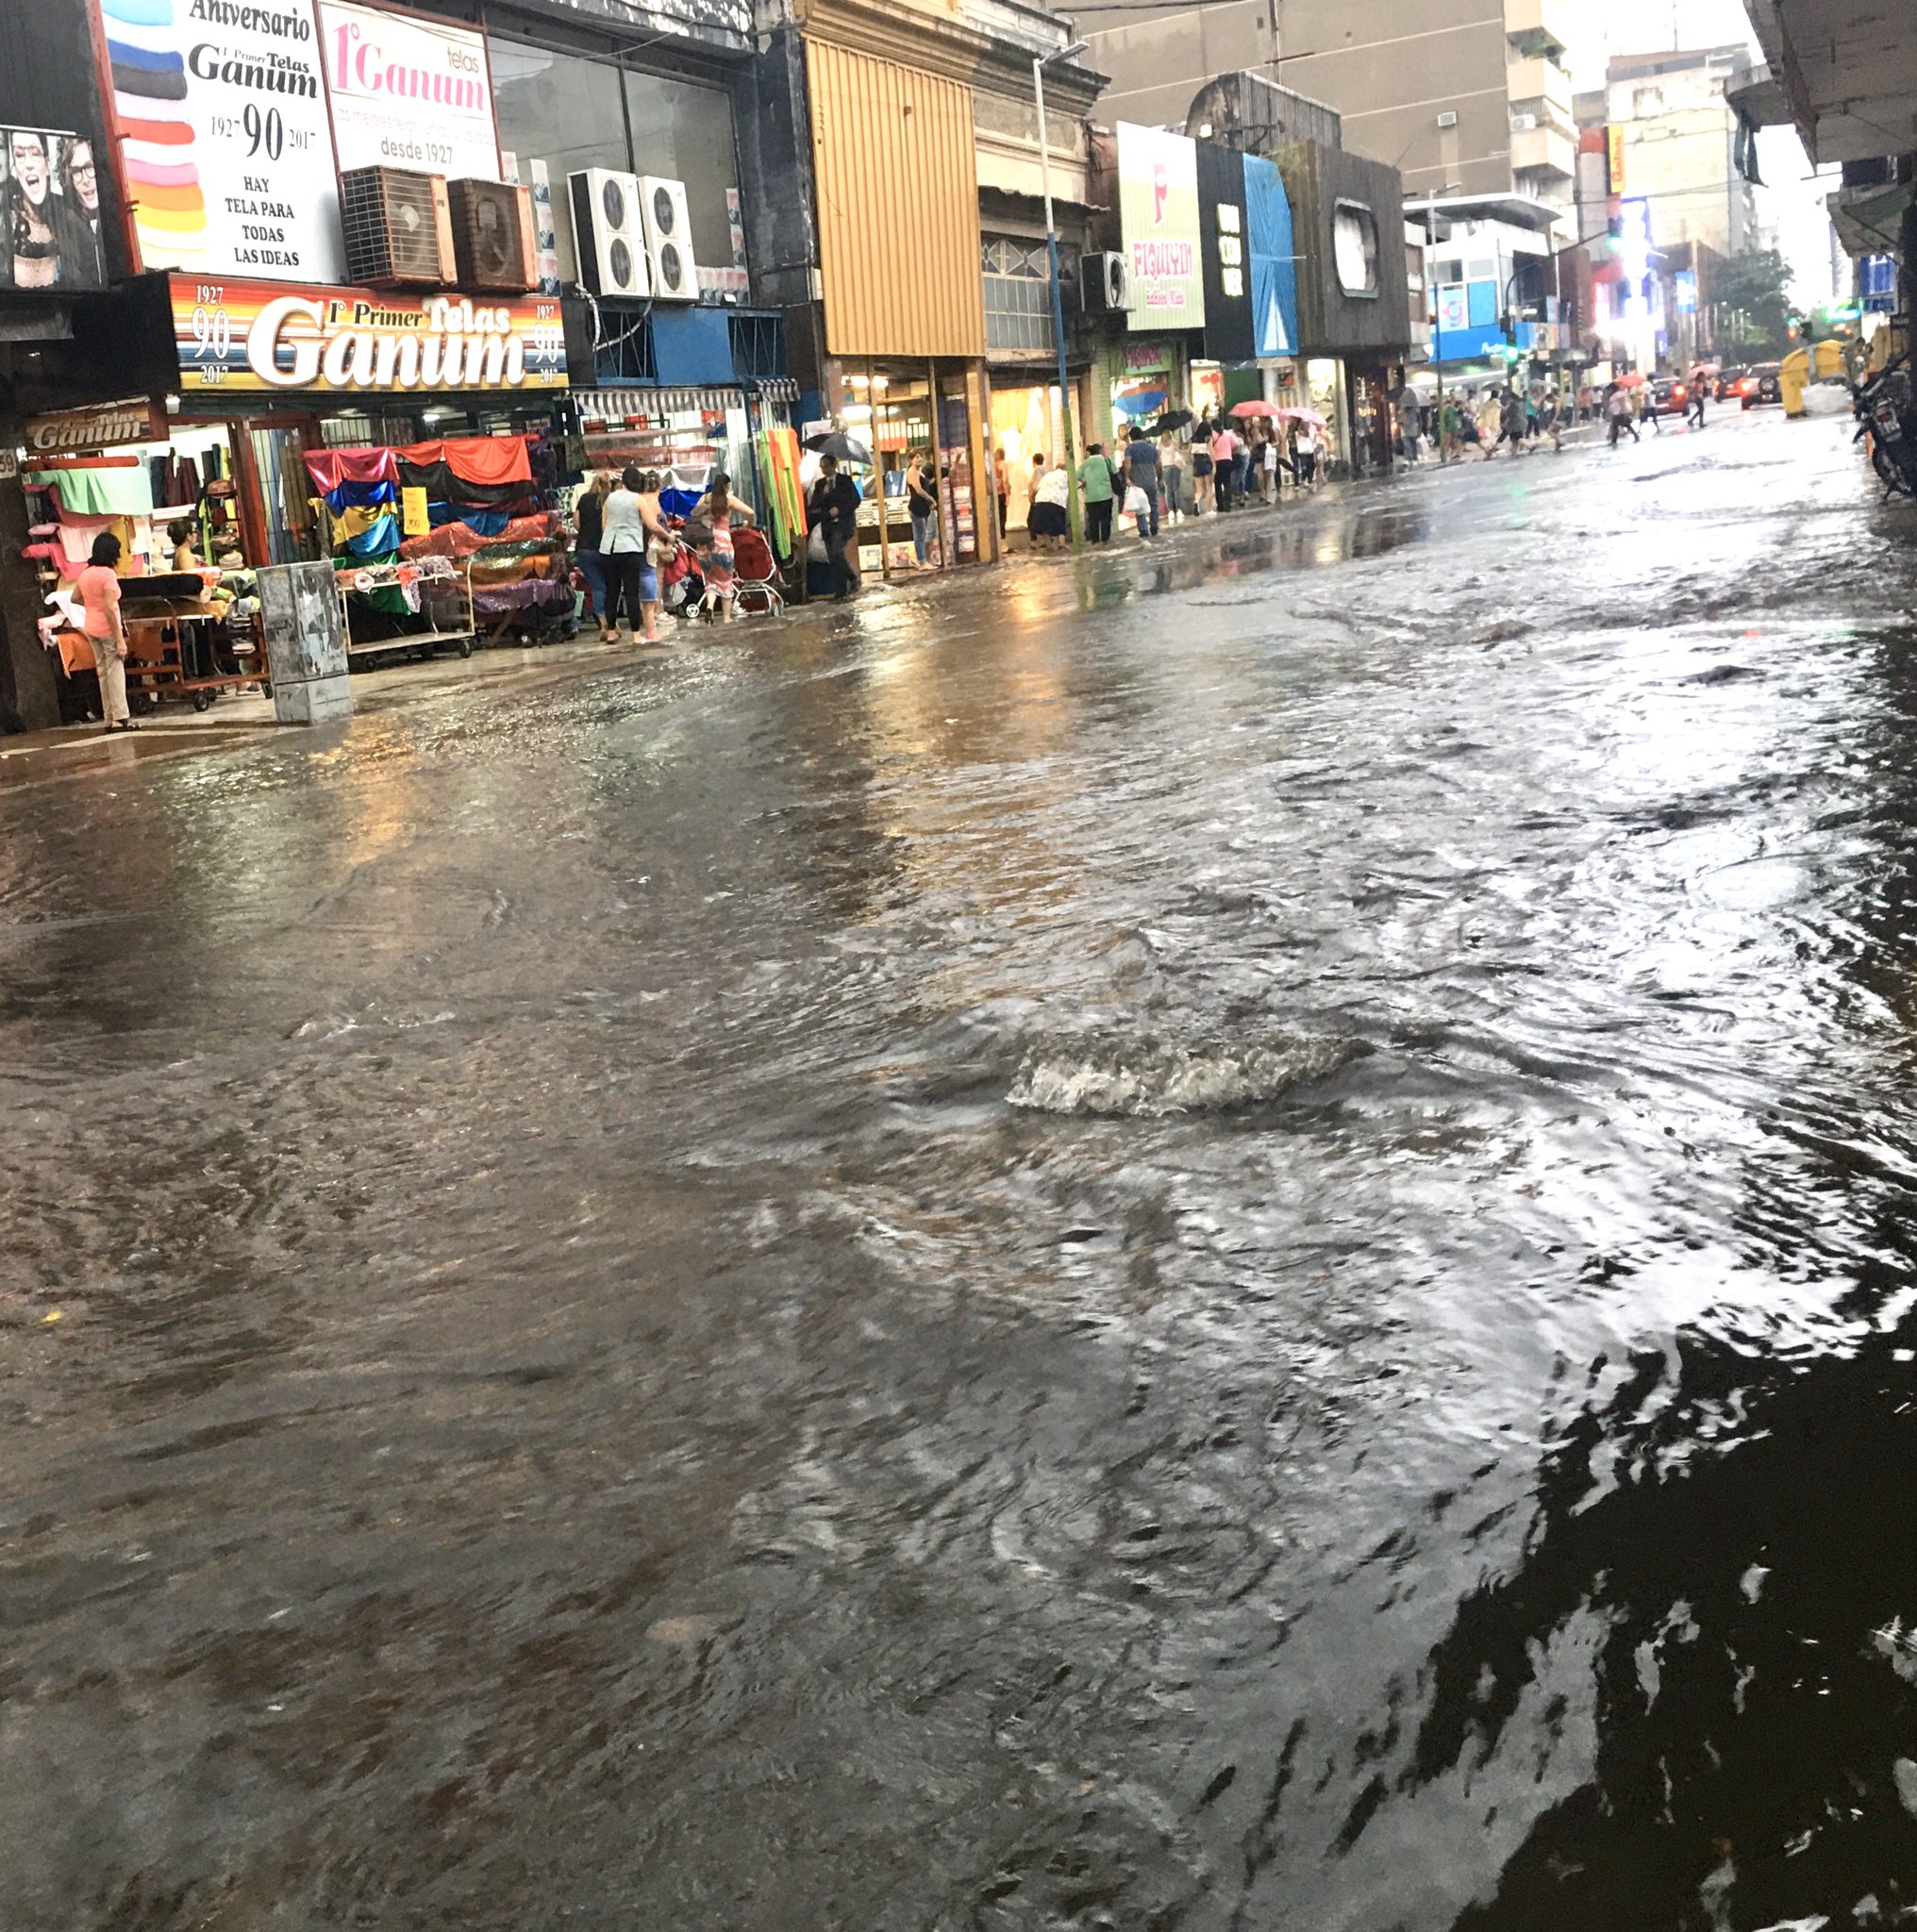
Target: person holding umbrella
(832, 507)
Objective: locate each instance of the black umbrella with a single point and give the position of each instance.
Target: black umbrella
(835, 443)
(1172, 419)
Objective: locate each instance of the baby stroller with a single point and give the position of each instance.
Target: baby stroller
(682, 589)
(754, 574)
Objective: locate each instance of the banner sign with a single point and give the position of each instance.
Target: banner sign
(408, 93)
(1158, 201)
(255, 336)
(60, 432)
(220, 114)
(1614, 158)
(50, 189)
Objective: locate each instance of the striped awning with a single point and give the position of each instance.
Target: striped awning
(616, 405)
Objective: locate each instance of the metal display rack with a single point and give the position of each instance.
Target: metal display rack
(445, 607)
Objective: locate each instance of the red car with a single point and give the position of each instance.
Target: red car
(1670, 395)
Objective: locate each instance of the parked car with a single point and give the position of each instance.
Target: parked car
(1762, 385)
(1727, 381)
(1669, 397)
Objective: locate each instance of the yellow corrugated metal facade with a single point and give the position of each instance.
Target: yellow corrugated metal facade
(897, 173)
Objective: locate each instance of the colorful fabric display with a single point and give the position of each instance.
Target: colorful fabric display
(482, 460)
(125, 492)
(329, 468)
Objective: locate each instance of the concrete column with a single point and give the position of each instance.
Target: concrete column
(29, 691)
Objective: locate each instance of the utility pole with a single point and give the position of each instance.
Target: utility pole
(1075, 509)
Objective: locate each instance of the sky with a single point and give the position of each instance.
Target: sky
(1795, 201)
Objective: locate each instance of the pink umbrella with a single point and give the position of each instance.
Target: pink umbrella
(1243, 409)
(1310, 416)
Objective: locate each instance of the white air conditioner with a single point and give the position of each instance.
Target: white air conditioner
(669, 240)
(608, 233)
(1105, 284)
(1448, 119)
(1523, 123)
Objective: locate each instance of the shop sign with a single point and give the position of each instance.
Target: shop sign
(106, 426)
(225, 151)
(1158, 199)
(1147, 358)
(265, 336)
(45, 175)
(1614, 158)
(408, 93)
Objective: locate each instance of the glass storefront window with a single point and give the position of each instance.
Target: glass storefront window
(565, 111)
(685, 133)
(571, 114)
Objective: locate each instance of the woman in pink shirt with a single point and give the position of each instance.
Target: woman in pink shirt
(99, 593)
(1224, 459)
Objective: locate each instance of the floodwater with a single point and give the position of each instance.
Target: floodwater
(1216, 1240)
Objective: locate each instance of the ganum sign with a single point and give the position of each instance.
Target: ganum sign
(270, 336)
(106, 426)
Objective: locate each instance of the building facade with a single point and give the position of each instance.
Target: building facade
(1480, 104)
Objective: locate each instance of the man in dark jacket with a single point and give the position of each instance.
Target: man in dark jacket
(832, 507)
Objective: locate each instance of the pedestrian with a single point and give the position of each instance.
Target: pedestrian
(832, 507)
(1098, 483)
(718, 511)
(1551, 421)
(1268, 462)
(1449, 448)
(629, 532)
(1223, 464)
(1204, 494)
(1410, 408)
(98, 590)
(1512, 425)
(1700, 388)
(589, 524)
(1617, 410)
(1240, 475)
(1001, 479)
(1032, 483)
(1141, 474)
(1310, 448)
(1172, 467)
(1051, 522)
(921, 502)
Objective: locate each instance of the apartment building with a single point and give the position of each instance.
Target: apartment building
(1677, 141)
(1461, 96)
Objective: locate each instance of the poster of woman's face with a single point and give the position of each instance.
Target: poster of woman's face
(49, 210)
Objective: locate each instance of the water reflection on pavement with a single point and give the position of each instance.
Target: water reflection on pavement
(1211, 1238)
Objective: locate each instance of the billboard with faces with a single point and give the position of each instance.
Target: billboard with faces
(50, 232)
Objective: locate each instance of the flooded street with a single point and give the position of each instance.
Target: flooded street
(1217, 1238)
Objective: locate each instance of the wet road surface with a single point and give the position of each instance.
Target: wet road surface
(1209, 1240)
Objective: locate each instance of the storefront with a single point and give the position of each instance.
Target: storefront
(902, 315)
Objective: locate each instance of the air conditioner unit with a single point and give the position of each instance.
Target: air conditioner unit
(1105, 284)
(492, 236)
(669, 240)
(1523, 123)
(398, 227)
(1447, 119)
(608, 232)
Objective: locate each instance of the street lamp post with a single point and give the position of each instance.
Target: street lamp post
(1040, 63)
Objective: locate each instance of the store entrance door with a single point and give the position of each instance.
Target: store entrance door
(276, 492)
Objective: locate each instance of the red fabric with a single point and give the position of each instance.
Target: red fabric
(329, 468)
(457, 540)
(477, 458)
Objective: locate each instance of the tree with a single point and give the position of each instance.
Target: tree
(1751, 295)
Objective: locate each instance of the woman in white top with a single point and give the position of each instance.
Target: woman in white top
(631, 525)
(1050, 517)
(1172, 468)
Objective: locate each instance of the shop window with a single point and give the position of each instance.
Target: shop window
(1355, 248)
(571, 114)
(626, 352)
(685, 133)
(758, 346)
(1018, 294)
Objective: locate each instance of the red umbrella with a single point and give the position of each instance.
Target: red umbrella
(1630, 382)
(1244, 409)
